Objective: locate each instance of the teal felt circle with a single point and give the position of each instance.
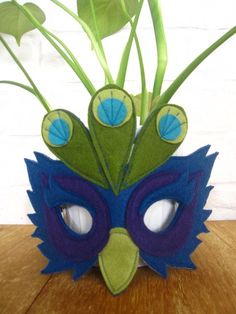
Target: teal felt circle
(169, 127)
(59, 132)
(112, 111)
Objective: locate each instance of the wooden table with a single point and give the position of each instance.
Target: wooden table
(209, 289)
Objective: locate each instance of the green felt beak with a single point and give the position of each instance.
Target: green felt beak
(118, 261)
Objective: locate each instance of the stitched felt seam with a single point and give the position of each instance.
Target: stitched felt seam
(163, 245)
(151, 121)
(124, 163)
(136, 142)
(65, 243)
(100, 150)
(58, 151)
(100, 153)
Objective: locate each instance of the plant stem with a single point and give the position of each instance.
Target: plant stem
(162, 53)
(70, 54)
(78, 70)
(144, 98)
(97, 33)
(125, 57)
(17, 61)
(167, 95)
(25, 87)
(99, 53)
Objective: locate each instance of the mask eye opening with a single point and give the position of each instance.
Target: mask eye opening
(77, 219)
(161, 215)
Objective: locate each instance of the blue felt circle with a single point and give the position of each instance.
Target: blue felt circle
(59, 132)
(169, 127)
(112, 111)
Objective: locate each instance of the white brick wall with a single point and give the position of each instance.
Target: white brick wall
(209, 96)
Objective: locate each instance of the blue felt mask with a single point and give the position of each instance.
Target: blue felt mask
(119, 193)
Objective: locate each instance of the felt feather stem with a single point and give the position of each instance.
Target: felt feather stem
(144, 98)
(167, 95)
(125, 57)
(17, 61)
(79, 72)
(162, 53)
(96, 46)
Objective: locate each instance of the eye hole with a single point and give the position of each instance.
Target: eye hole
(160, 214)
(77, 218)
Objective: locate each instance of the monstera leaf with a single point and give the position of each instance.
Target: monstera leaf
(109, 14)
(13, 21)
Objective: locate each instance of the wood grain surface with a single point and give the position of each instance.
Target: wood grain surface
(209, 289)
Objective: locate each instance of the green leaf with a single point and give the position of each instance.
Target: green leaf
(14, 22)
(162, 51)
(20, 65)
(94, 40)
(138, 102)
(172, 89)
(144, 94)
(109, 14)
(120, 81)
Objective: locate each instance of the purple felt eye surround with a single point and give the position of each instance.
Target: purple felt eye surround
(69, 244)
(169, 241)
(183, 179)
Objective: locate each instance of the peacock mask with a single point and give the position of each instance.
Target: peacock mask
(111, 174)
(116, 174)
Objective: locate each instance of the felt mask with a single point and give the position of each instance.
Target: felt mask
(116, 175)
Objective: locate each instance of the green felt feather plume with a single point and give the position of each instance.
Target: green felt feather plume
(112, 124)
(67, 138)
(108, 154)
(159, 138)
